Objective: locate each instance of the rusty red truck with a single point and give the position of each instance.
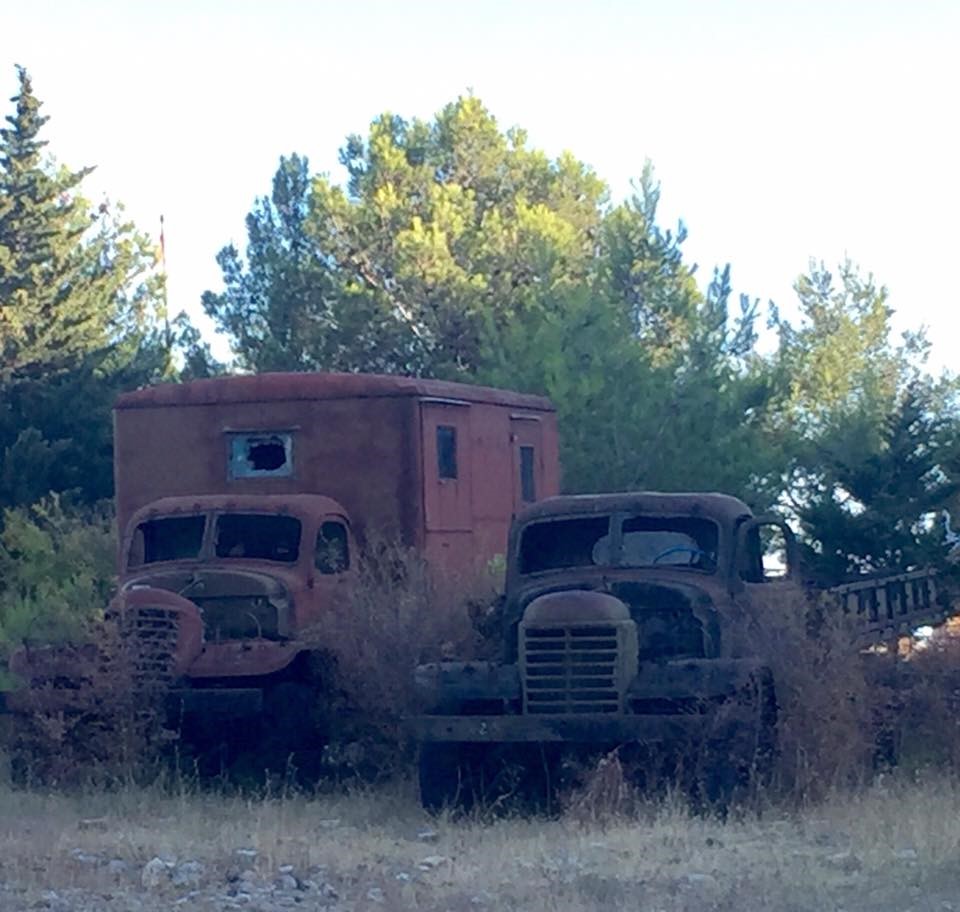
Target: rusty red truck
(242, 501)
(633, 620)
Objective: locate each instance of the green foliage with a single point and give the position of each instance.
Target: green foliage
(457, 251)
(56, 573)
(656, 384)
(872, 441)
(873, 498)
(79, 312)
(444, 228)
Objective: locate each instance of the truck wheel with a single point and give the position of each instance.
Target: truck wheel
(292, 741)
(464, 776)
(441, 777)
(740, 757)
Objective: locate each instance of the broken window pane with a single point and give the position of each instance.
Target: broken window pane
(167, 539)
(765, 554)
(333, 551)
(669, 541)
(258, 536)
(528, 483)
(446, 451)
(258, 455)
(561, 543)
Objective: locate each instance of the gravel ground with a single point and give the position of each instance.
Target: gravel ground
(895, 847)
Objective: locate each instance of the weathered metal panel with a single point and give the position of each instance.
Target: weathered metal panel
(587, 729)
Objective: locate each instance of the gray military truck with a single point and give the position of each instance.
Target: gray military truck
(633, 619)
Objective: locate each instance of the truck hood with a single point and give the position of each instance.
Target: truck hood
(665, 602)
(703, 587)
(234, 603)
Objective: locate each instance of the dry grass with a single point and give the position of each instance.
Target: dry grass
(106, 727)
(893, 846)
(395, 616)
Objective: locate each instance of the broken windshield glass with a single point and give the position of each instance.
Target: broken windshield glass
(645, 541)
(167, 539)
(562, 543)
(260, 536)
(680, 541)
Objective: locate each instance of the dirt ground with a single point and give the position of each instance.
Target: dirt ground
(895, 846)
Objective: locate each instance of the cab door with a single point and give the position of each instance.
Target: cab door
(332, 555)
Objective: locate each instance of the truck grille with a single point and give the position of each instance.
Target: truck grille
(155, 632)
(571, 669)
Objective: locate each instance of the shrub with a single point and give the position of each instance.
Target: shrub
(395, 615)
(82, 714)
(56, 575)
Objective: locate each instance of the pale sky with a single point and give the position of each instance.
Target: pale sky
(779, 131)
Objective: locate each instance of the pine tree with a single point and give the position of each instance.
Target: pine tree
(78, 310)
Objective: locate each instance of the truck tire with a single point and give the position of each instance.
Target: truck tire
(740, 761)
(492, 777)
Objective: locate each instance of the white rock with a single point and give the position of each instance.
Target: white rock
(188, 874)
(906, 854)
(246, 853)
(403, 877)
(375, 894)
(287, 882)
(155, 873)
(700, 879)
(428, 836)
(330, 823)
(846, 862)
(431, 862)
(285, 869)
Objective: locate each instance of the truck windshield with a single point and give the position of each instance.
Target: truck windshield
(562, 543)
(679, 541)
(168, 538)
(645, 541)
(258, 536)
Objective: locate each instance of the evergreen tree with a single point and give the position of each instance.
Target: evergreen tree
(877, 507)
(455, 250)
(78, 312)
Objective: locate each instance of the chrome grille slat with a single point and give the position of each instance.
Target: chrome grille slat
(571, 669)
(155, 631)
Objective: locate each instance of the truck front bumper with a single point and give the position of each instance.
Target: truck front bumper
(221, 704)
(578, 729)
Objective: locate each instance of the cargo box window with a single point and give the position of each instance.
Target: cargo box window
(528, 484)
(261, 455)
(333, 550)
(258, 536)
(167, 539)
(446, 451)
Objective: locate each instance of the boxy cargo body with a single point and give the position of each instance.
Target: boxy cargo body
(442, 465)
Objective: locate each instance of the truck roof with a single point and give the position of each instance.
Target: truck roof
(720, 507)
(312, 386)
(254, 503)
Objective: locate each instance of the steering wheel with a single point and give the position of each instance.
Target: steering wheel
(683, 549)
